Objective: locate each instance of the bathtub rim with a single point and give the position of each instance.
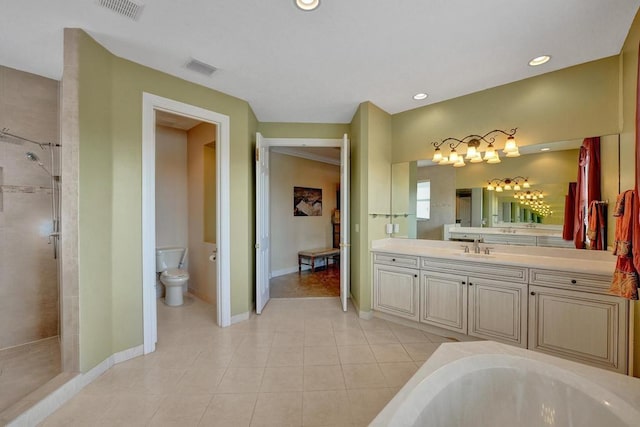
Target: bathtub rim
(447, 363)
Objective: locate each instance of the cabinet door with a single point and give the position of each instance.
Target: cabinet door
(589, 328)
(443, 300)
(498, 311)
(395, 290)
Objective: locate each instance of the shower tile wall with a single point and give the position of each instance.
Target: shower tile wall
(28, 271)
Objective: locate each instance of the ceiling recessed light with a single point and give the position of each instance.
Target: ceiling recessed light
(420, 96)
(545, 149)
(307, 4)
(539, 60)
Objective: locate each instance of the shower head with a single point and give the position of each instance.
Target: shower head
(33, 157)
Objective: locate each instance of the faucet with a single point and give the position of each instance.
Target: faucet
(476, 245)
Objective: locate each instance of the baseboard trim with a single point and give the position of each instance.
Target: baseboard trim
(240, 317)
(58, 397)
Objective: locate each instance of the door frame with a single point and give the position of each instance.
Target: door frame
(317, 142)
(151, 103)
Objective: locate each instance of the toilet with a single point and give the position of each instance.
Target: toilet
(169, 262)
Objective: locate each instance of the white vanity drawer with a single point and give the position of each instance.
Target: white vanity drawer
(463, 237)
(570, 280)
(555, 242)
(483, 270)
(510, 239)
(395, 259)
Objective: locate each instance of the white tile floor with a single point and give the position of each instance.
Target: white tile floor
(300, 363)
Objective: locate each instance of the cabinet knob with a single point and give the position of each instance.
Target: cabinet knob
(533, 293)
(415, 275)
(574, 281)
(393, 259)
(464, 283)
(470, 284)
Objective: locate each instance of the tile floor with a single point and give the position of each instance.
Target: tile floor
(25, 368)
(303, 362)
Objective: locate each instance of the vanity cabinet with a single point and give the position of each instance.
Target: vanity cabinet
(571, 316)
(563, 313)
(482, 300)
(396, 285)
(498, 311)
(443, 300)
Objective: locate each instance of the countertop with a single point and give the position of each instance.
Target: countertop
(574, 260)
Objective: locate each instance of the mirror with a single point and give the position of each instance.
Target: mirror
(460, 196)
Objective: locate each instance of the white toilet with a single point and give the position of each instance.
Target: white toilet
(169, 262)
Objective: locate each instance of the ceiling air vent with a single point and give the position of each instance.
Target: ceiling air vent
(201, 67)
(128, 8)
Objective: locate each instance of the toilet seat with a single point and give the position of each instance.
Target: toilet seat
(175, 273)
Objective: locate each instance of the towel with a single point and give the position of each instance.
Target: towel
(597, 226)
(625, 276)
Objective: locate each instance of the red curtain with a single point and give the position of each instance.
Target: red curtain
(588, 187)
(569, 212)
(636, 222)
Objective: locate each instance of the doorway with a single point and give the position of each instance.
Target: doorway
(151, 105)
(306, 200)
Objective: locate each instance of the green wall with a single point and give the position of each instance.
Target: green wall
(95, 215)
(358, 225)
(562, 105)
(111, 195)
(370, 194)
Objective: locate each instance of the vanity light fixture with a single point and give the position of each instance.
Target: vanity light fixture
(420, 96)
(307, 5)
(502, 184)
(473, 152)
(529, 195)
(539, 60)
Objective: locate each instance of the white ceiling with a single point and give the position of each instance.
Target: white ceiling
(295, 66)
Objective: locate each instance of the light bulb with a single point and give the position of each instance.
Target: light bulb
(459, 163)
(494, 159)
(510, 145)
(437, 155)
(471, 152)
(516, 187)
(453, 156)
(507, 187)
(526, 184)
(515, 153)
(444, 161)
(490, 187)
(499, 189)
(490, 153)
(307, 4)
(477, 158)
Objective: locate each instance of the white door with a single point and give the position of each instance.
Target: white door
(345, 245)
(262, 223)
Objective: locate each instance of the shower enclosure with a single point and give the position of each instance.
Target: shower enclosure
(29, 267)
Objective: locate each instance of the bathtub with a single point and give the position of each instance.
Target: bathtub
(490, 384)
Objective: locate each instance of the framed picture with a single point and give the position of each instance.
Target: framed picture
(307, 201)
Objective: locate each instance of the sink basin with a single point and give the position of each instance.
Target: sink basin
(472, 255)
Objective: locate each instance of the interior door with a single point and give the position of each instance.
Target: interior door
(262, 223)
(345, 245)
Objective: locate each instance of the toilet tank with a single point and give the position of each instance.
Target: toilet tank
(167, 258)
